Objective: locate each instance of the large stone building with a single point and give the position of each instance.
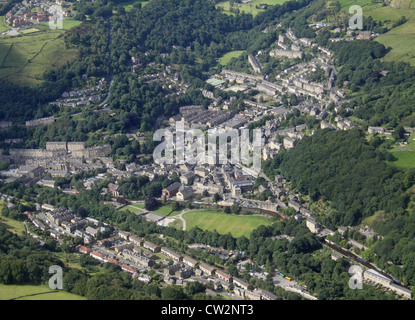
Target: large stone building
(286, 53)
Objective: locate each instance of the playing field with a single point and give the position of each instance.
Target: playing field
(223, 223)
(34, 292)
(252, 7)
(226, 58)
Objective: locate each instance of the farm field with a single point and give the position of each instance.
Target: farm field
(226, 58)
(223, 223)
(401, 38)
(247, 7)
(34, 292)
(24, 59)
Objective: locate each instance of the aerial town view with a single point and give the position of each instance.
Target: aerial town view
(224, 151)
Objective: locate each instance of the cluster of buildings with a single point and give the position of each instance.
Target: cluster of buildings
(374, 277)
(83, 97)
(21, 16)
(255, 64)
(64, 221)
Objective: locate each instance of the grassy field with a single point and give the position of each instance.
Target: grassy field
(24, 59)
(406, 159)
(226, 58)
(14, 226)
(2, 26)
(402, 40)
(370, 220)
(134, 208)
(17, 227)
(163, 210)
(31, 30)
(237, 225)
(128, 5)
(34, 292)
(252, 7)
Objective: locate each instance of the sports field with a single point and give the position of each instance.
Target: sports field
(34, 292)
(223, 223)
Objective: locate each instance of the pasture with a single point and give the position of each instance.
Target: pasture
(253, 7)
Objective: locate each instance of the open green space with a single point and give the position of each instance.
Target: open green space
(370, 220)
(17, 227)
(134, 208)
(128, 5)
(223, 223)
(163, 209)
(25, 59)
(401, 38)
(402, 41)
(12, 225)
(31, 30)
(34, 292)
(226, 58)
(406, 159)
(254, 7)
(2, 25)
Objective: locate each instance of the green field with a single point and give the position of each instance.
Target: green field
(223, 223)
(25, 59)
(251, 7)
(406, 159)
(128, 5)
(163, 210)
(34, 292)
(402, 38)
(31, 30)
(134, 208)
(12, 225)
(226, 58)
(2, 26)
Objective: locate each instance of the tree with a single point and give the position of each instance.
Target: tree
(175, 206)
(216, 197)
(173, 293)
(235, 208)
(150, 203)
(399, 132)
